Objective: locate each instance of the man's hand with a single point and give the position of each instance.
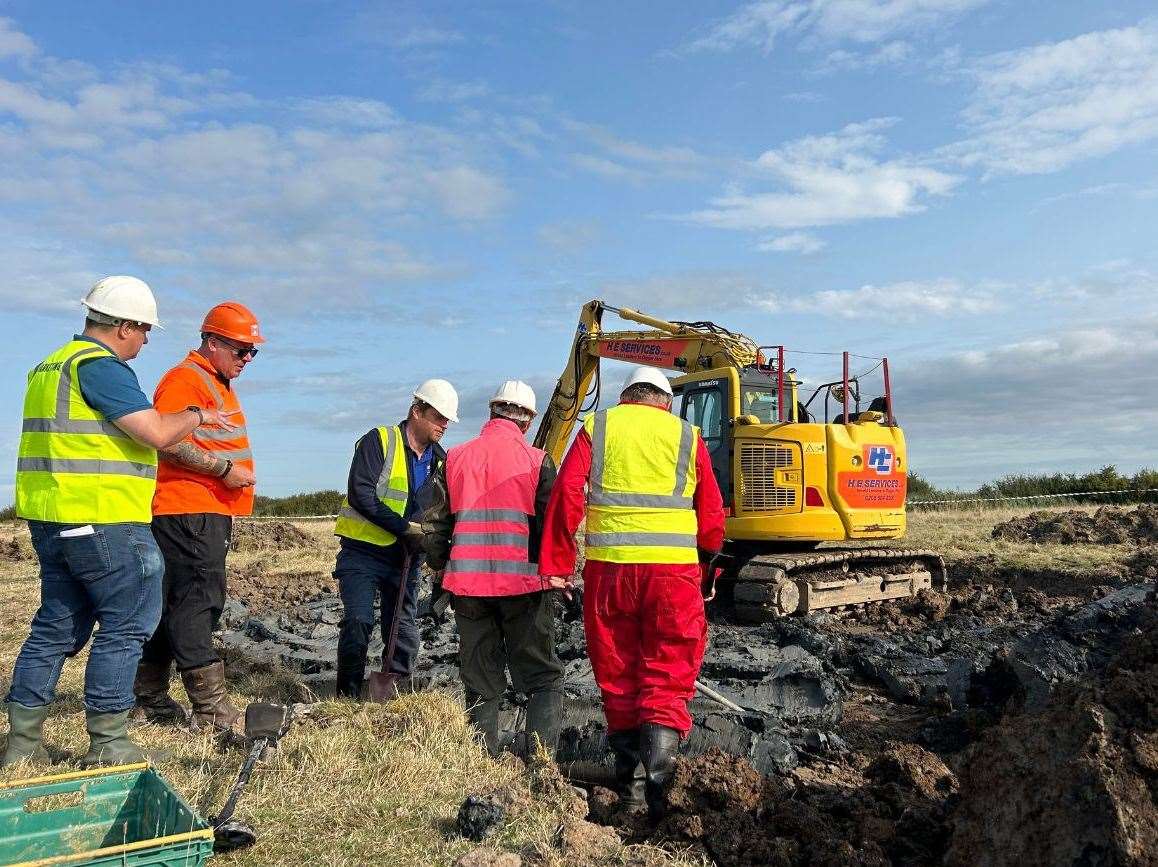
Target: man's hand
(239, 477)
(412, 538)
(216, 418)
(558, 582)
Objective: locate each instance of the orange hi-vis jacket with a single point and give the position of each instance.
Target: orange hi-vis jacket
(181, 491)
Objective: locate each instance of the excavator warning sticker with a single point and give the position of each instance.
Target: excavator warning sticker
(877, 484)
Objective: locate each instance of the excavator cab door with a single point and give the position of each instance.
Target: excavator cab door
(705, 400)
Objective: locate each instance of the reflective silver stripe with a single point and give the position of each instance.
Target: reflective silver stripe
(508, 567)
(639, 501)
(85, 465)
(520, 539)
(217, 434)
(598, 450)
(684, 458)
(383, 490)
(64, 384)
(233, 455)
(656, 540)
(208, 380)
(77, 426)
(493, 515)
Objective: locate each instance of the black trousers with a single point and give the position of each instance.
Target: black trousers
(194, 548)
(500, 632)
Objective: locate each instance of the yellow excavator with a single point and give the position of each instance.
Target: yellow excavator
(794, 481)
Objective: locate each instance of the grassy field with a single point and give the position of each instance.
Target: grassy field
(357, 784)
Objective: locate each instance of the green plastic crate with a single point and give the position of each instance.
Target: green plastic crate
(126, 815)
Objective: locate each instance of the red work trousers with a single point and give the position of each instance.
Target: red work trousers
(646, 633)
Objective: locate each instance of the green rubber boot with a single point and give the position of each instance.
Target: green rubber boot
(109, 742)
(25, 725)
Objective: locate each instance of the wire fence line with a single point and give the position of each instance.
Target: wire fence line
(956, 500)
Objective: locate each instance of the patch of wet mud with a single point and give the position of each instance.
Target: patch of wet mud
(1109, 525)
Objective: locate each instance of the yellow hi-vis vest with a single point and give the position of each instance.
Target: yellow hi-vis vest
(639, 490)
(392, 489)
(74, 465)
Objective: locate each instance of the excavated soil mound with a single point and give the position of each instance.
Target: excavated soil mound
(1076, 784)
(262, 591)
(1109, 525)
(891, 811)
(18, 549)
(1144, 564)
(250, 536)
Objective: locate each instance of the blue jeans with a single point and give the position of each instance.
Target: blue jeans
(111, 577)
(360, 577)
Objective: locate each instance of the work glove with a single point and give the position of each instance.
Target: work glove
(412, 539)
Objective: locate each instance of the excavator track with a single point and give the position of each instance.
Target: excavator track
(777, 585)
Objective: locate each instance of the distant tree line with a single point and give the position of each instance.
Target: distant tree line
(1127, 489)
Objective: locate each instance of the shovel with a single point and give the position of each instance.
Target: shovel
(265, 724)
(384, 683)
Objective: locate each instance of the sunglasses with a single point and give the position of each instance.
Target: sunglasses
(242, 352)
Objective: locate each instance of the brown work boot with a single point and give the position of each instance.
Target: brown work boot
(211, 706)
(154, 704)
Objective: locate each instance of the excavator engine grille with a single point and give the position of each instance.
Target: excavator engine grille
(758, 465)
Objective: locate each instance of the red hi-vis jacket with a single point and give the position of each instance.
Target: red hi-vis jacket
(491, 483)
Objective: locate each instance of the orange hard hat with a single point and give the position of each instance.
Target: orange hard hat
(233, 320)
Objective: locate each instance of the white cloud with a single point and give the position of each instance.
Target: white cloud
(425, 37)
(793, 242)
(829, 179)
(454, 91)
(904, 301)
(762, 23)
(890, 54)
(606, 168)
(13, 43)
(1040, 109)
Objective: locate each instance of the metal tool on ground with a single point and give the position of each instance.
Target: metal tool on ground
(383, 684)
(265, 725)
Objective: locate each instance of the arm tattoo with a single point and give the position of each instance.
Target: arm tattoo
(191, 457)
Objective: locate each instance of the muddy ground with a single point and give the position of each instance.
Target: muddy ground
(1010, 720)
(1109, 525)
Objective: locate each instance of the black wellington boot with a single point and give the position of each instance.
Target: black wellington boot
(658, 747)
(544, 720)
(629, 773)
(484, 716)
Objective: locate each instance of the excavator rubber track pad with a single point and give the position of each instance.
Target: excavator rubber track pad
(775, 585)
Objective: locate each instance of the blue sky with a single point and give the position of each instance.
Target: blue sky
(404, 190)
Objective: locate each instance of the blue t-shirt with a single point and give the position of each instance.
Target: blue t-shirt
(109, 385)
(421, 469)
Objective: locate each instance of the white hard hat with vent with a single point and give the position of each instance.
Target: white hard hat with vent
(650, 376)
(441, 395)
(124, 298)
(516, 392)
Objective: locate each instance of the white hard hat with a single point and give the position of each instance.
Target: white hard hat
(649, 375)
(517, 392)
(124, 298)
(441, 395)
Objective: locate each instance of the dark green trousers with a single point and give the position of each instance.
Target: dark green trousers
(500, 632)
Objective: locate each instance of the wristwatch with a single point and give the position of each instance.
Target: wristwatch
(200, 414)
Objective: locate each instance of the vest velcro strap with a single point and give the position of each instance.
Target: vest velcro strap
(85, 465)
(466, 538)
(72, 426)
(639, 501)
(513, 515)
(654, 540)
(505, 567)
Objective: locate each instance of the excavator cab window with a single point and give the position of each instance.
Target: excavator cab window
(704, 405)
(760, 402)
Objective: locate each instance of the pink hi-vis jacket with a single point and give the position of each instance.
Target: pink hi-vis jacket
(491, 482)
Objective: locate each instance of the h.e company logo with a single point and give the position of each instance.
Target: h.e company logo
(880, 459)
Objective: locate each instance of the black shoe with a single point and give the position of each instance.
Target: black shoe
(658, 747)
(544, 720)
(629, 772)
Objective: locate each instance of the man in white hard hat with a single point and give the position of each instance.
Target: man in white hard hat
(389, 484)
(484, 531)
(654, 514)
(85, 477)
